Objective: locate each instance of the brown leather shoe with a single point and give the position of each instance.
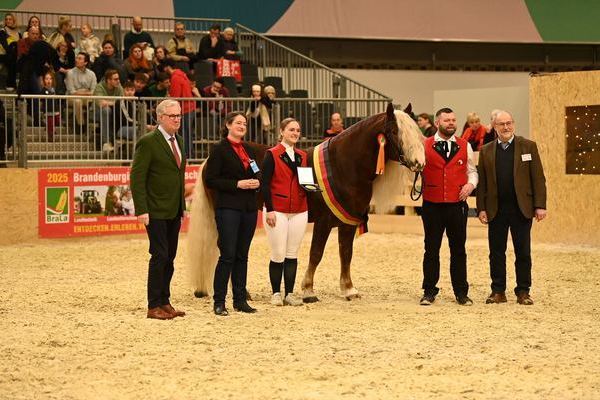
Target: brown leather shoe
(496, 298)
(169, 309)
(158, 313)
(523, 298)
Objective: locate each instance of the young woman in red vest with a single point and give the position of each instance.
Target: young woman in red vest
(285, 215)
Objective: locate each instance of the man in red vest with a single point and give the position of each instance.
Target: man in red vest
(449, 178)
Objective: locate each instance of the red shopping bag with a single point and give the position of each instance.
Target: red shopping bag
(229, 68)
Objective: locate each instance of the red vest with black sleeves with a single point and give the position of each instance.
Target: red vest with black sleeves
(286, 194)
(443, 179)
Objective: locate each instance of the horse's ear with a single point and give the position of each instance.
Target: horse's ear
(389, 112)
(408, 109)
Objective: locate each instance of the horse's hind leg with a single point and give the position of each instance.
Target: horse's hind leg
(321, 232)
(346, 235)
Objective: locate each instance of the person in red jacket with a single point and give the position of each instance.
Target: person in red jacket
(182, 87)
(475, 133)
(286, 212)
(449, 177)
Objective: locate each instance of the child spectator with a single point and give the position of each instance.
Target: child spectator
(160, 88)
(89, 42)
(50, 107)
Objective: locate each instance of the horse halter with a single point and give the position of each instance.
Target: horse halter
(397, 151)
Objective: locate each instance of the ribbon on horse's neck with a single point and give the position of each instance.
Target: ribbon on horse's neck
(396, 154)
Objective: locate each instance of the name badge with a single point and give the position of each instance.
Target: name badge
(526, 157)
(254, 167)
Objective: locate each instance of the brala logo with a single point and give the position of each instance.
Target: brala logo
(57, 205)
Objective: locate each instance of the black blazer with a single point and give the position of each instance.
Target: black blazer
(223, 170)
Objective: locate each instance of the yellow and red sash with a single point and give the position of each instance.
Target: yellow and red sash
(325, 179)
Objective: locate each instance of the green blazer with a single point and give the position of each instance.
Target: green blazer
(530, 182)
(157, 184)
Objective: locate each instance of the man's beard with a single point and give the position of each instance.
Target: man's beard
(447, 131)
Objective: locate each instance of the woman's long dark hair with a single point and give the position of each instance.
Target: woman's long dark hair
(229, 119)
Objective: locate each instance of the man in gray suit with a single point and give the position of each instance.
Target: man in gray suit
(511, 192)
(157, 184)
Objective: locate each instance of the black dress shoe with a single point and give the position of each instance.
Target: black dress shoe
(221, 310)
(244, 307)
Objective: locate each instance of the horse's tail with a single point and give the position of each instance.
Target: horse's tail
(202, 241)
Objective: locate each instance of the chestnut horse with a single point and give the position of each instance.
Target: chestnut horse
(350, 162)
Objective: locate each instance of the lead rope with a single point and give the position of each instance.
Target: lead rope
(414, 193)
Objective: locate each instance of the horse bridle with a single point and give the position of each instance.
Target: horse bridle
(414, 193)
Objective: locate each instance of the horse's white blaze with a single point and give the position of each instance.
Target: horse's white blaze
(202, 240)
(411, 138)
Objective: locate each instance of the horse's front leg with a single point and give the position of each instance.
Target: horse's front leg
(346, 235)
(320, 235)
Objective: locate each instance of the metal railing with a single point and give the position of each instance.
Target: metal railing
(82, 130)
(297, 71)
(160, 28)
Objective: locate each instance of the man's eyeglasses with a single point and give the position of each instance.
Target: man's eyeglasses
(506, 124)
(173, 116)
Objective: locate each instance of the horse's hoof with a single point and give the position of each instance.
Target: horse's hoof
(310, 299)
(353, 296)
(200, 294)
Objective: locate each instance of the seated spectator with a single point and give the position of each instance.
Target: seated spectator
(336, 126)
(34, 21)
(136, 63)
(160, 55)
(181, 49)
(230, 46)
(108, 59)
(258, 114)
(36, 55)
(9, 36)
(80, 81)
(195, 90)
(89, 43)
(426, 125)
(475, 133)
(140, 37)
(24, 44)
(160, 88)
(50, 107)
(64, 61)
(110, 86)
(490, 132)
(140, 81)
(62, 33)
(217, 90)
(126, 123)
(211, 45)
(181, 87)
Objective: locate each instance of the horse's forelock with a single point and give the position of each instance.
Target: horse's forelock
(410, 137)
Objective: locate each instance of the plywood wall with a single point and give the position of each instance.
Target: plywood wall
(573, 211)
(19, 204)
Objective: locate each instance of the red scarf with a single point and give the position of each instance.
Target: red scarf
(241, 152)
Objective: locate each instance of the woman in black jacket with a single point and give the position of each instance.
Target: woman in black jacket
(232, 172)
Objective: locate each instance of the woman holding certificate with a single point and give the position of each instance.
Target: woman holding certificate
(286, 212)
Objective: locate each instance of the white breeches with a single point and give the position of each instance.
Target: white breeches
(286, 236)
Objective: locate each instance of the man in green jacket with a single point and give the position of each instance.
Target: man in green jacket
(157, 184)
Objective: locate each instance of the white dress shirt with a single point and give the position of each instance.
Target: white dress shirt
(472, 175)
(167, 136)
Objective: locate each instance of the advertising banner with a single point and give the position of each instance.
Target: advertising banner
(91, 201)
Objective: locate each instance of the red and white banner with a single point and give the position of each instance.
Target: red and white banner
(90, 201)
